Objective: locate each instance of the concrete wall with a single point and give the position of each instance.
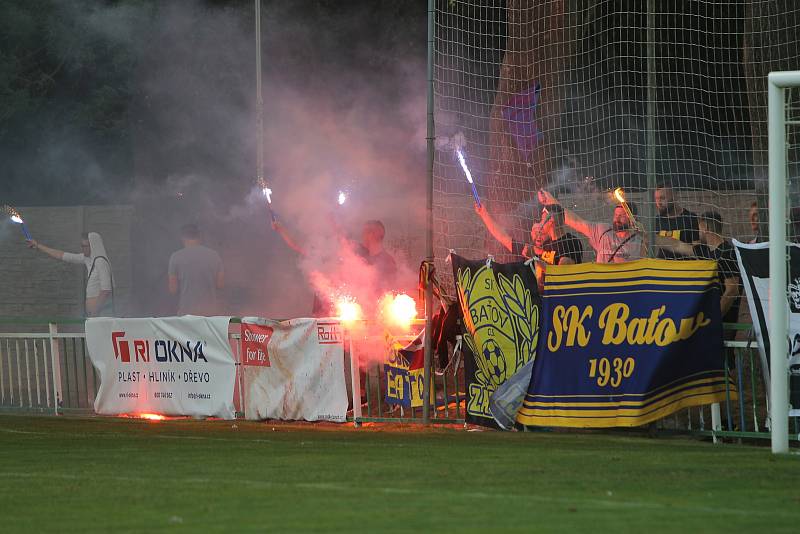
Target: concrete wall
(34, 285)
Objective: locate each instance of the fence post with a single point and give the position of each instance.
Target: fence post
(355, 379)
(716, 421)
(55, 362)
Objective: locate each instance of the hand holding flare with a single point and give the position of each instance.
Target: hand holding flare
(619, 195)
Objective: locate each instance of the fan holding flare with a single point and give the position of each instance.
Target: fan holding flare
(618, 242)
(100, 280)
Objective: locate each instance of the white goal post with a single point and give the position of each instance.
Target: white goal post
(778, 83)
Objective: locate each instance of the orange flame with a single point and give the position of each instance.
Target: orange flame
(151, 416)
(619, 194)
(398, 310)
(348, 310)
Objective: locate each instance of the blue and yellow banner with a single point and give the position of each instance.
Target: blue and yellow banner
(404, 372)
(500, 306)
(626, 344)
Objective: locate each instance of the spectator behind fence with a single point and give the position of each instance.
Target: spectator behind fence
(755, 224)
(713, 246)
(613, 243)
(195, 275)
(673, 220)
(549, 241)
(99, 282)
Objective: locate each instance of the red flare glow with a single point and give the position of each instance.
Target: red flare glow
(348, 310)
(151, 416)
(398, 310)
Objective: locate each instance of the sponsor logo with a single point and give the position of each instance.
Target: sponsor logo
(255, 341)
(329, 333)
(164, 350)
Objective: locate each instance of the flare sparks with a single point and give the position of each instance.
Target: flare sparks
(468, 174)
(16, 218)
(619, 194)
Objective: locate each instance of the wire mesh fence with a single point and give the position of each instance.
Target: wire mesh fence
(582, 97)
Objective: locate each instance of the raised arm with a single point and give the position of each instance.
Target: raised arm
(571, 218)
(674, 245)
(278, 227)
(52, 252)
(494, 229)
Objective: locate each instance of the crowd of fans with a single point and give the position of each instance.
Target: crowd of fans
(679, 234)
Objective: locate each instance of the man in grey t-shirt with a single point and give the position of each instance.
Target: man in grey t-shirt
(195, 275)
(613, 243)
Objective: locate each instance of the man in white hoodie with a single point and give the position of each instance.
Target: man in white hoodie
(100, 281)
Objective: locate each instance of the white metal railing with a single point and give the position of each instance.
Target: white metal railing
(50, 372)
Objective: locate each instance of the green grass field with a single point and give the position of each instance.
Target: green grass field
(69, 474)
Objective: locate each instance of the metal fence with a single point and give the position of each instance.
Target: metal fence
(45, 368)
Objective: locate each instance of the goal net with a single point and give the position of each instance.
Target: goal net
(583, 96)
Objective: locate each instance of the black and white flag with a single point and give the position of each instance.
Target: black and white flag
(754, 267)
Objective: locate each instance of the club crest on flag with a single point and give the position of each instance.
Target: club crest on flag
(500, 306)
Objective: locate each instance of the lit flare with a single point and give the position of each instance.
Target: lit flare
(619, 194)
(151, 416)
(462, 160)
(267, 192)
(16, 218)
(348, 310)
(398, 310)
(341, 198)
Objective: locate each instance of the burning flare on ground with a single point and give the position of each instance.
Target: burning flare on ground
(151, 416)
(398, 310)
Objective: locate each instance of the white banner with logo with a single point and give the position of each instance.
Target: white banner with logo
(167, 366)
(294, 370)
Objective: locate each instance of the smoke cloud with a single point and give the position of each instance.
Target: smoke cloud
(344, 107)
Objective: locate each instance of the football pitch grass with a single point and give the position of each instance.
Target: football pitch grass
(99, 474)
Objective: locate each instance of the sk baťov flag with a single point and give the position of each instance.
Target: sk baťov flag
(624, 344)
(500, 305)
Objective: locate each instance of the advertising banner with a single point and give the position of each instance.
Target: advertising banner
(168, 366)
(294, 370)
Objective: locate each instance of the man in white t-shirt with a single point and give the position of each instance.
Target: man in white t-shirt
(617, 242)
(100, 281)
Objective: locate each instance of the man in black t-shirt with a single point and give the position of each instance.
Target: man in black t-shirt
(713, 246)
(549, 241)
(672, 220)
(561, 247)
